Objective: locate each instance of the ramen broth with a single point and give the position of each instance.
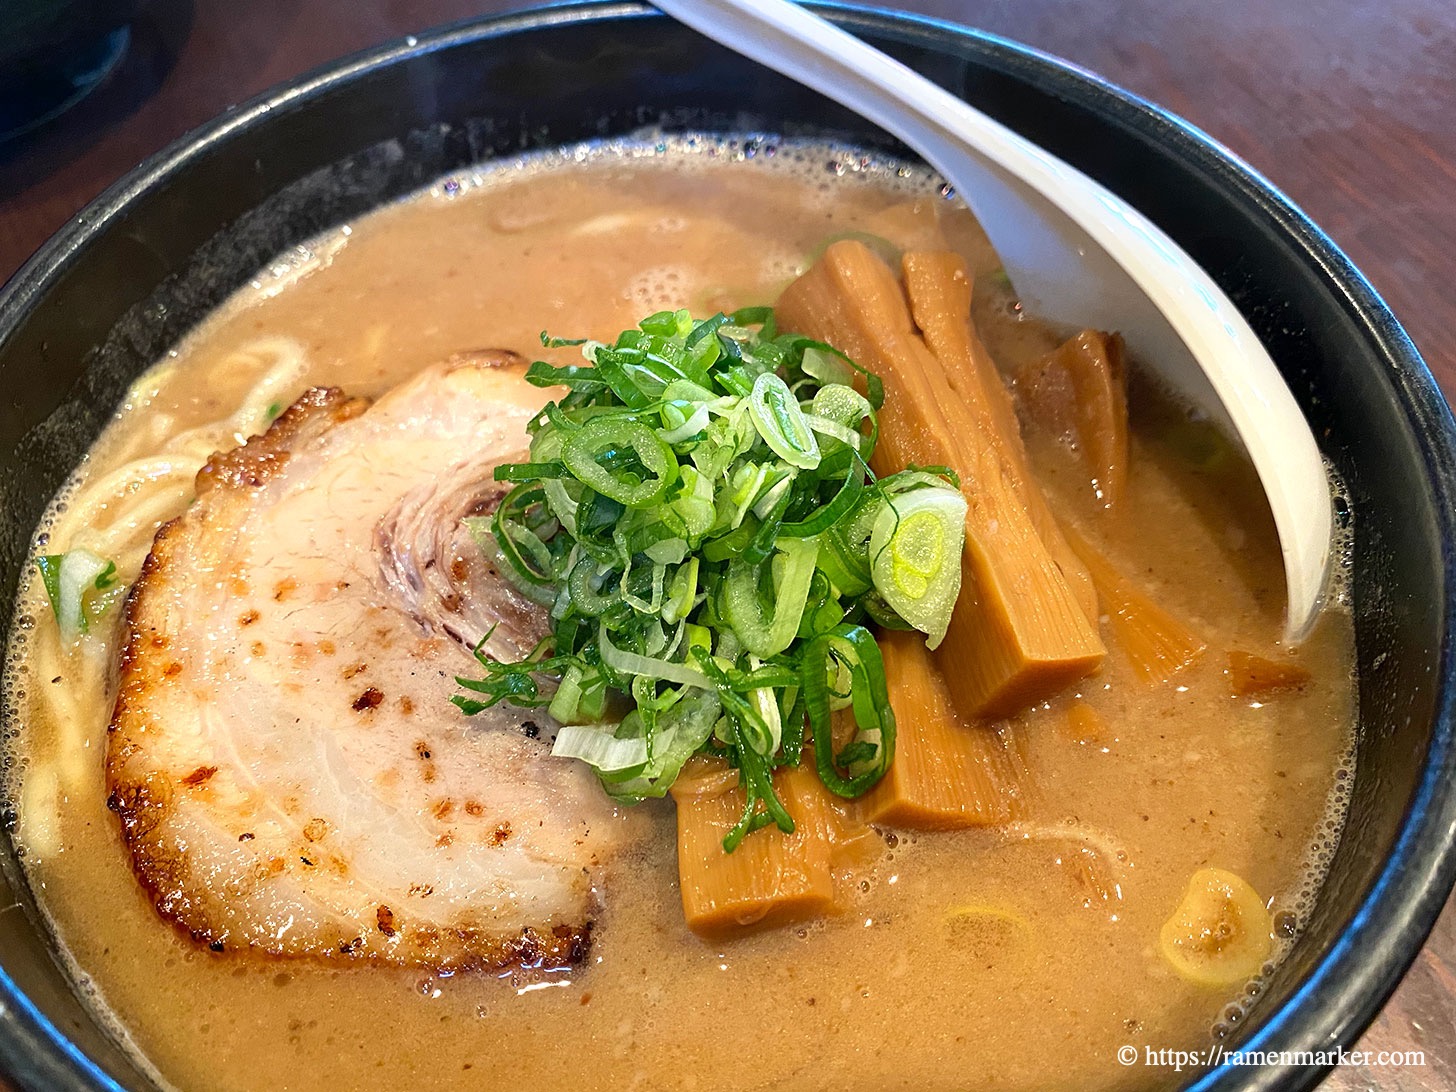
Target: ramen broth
(1020, 957)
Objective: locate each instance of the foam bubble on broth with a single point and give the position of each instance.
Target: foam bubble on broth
(819, 164)
(16, 770)
(1292, 914)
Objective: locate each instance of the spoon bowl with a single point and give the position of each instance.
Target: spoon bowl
(1073, 249)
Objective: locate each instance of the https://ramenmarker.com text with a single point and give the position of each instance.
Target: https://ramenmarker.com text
(1213, 1056)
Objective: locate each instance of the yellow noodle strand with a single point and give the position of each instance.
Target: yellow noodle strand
(117, 516)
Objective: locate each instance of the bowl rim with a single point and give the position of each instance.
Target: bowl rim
(1345, 989)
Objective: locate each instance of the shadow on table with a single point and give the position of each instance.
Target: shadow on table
(151, 45)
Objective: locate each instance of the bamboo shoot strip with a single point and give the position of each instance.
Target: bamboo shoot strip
(1251, 676)
(1156, 644)
(1083, 725)
(947, 773)
(939, 289)
(1078, 395)
(772, 877)
(1018, 634)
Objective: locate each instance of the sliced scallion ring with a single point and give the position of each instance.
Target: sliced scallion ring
(779, 420)
(915, 557)
(607, 435)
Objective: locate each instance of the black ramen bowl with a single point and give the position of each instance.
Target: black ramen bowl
(153, 255)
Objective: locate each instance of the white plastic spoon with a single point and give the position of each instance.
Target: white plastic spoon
(1074, 251)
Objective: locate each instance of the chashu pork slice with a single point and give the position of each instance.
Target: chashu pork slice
(289, 772)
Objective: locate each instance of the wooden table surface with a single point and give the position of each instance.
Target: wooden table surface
(1348, 105)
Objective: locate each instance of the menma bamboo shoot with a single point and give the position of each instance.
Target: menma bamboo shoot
(1018, 633)
(947, 773)
(1252, 676)
(772, 877)
(1077, 394)
(1156, 644)
(939, 288)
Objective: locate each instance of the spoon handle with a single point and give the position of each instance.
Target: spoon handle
(1074, 250)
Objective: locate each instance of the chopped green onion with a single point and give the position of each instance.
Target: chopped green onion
(873, 748)
(528, 472)
(826, 517)
(574, 376)
(679, 733)
(834, 429)
(580, 697)
(699, 515)
(81, 587)
(916, 552)
(632, 663)
(827, 368)
(766, 630)
(780, 421)
(599, 748)
(605, 436)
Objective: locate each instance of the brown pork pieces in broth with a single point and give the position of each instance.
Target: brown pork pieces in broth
(246, 787)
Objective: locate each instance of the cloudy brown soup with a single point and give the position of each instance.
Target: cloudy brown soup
(1021, 953)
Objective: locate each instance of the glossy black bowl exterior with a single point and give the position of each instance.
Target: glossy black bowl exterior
(148, 260)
